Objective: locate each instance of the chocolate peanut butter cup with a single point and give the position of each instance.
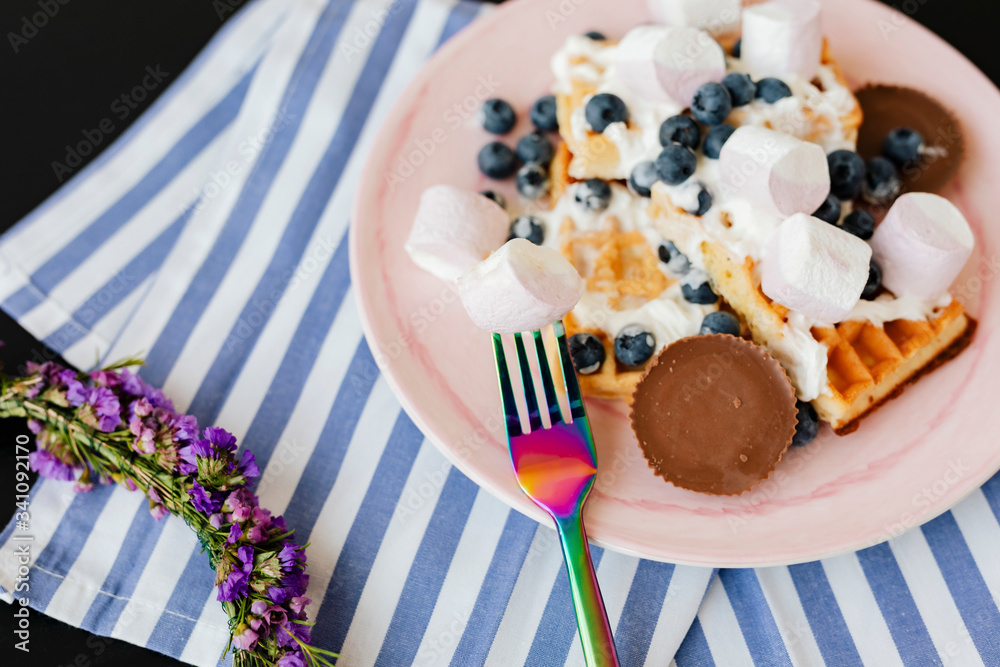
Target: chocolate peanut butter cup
(714, 414)
(886, 108)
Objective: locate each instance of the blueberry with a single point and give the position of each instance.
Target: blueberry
(596, 36)
(715, 138)
(741, 88)
(527, 227)
(771, 90)
(604, 109)
(902, 145)
(532, 180)
(696, 288)
(680, 130)
(860, 223)
(543, 114)
(847, 171)
(829, 211)
(497, 116)
(736, 48)
(881, 184)
(587, 353)
(675, 164)
(495, 196)
(535, 147)
(676, 261)
(497, 160)
(711, 104)
(701, 199)
(720, 322)
(593, 194)
(634, 345)
(642, 178)
(874, 283)
(807, 426)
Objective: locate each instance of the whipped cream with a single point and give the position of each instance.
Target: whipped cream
(668, 316)
(592, 62)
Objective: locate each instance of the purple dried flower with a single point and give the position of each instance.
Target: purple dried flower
(203, 500)
(258, 607)
(185, 427)
(76, 394)
(257, 534)
(158, 511)
(105, 378)
(35, 426)
(246, 640)
(249, 464)
(235, 533)
(297, 604)
(49, 465)
(139, 408)
(215, 521)
(221, 438)
(131, 382)
(291, 660)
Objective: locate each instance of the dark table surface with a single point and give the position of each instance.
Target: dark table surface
(60, 80)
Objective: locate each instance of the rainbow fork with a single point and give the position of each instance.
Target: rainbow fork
(556, 466)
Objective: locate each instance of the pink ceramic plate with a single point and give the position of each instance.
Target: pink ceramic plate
(908, 462)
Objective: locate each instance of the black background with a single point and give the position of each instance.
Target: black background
(63, 81)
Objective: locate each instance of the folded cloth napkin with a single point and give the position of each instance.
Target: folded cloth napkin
(211, 238)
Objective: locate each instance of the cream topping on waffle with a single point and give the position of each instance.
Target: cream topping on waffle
(668, 316)
(812, 112)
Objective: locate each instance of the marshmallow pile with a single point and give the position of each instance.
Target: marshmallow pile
(782, 37)
(454, 229)
(520, 287)
(922, 245)
(668, 63)
(815, 268)
(776, 172)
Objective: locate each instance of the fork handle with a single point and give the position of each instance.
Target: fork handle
(591, 617)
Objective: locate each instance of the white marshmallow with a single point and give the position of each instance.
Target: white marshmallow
(520, 287)
(782, 37)
(815, 268)
(668, 64)
(922, 245)
(717, 17)
(776, 172)
(455, 229)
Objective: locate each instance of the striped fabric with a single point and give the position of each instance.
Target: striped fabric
(212, 239)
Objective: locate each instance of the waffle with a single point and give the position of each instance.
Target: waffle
(595, 155)
(624, 268)
(866, 364)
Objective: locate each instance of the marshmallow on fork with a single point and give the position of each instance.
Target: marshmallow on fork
(782, 37)
(455, 229)
(776, 172)
(520, 287)
(922, 245)
(815, 268)
(668, 64)
(718, 17)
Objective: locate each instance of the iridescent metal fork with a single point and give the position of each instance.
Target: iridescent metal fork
(556, 467)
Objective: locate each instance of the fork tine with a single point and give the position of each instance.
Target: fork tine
(555, 416)
(569, 374)
(530, 398)
(506, 390)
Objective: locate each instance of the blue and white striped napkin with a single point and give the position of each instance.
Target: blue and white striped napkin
(212, 239)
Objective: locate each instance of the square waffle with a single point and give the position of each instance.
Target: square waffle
(865, 364)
